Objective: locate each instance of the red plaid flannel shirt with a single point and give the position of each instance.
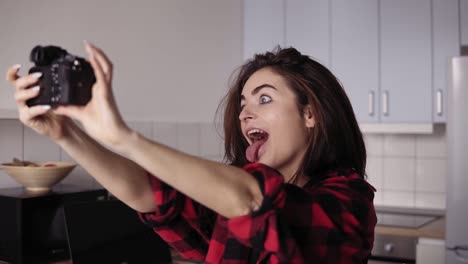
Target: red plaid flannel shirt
(330, 220)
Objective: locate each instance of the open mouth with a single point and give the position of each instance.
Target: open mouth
(257, 139)
(256, 134)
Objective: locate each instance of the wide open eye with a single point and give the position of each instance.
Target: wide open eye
(264, 99)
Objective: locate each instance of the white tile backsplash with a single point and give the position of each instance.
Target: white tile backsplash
(395, 198)
(378, 197)
(188, 138)
(11, 146)
(165, 133)
(430, 200)
(399, 145)
(406, 170)
(142, 127)
(39, 148)
(399, 174)
(430, 175)
(432, 146)
(374, 144)
(375, 171)
(414, 168)
(211, 140)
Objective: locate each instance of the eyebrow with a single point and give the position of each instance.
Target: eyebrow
(258, 88)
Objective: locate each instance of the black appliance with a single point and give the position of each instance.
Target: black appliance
(32, 226)
(111, 232)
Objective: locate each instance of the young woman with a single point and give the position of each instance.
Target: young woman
(293, 192)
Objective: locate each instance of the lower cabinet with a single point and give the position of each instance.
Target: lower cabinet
(430, 251)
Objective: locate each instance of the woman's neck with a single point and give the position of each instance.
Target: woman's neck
(298, 180)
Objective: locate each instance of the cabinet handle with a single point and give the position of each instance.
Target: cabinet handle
(371, 103)
(385, 103)
(439, 103)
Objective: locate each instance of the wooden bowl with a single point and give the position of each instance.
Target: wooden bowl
(40, 178)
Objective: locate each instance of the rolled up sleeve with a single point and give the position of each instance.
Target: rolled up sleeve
(264, 230)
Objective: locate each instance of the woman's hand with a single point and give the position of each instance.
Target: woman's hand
(38, 117)
(100, 117)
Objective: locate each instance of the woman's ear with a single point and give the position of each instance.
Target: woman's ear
(309, 118)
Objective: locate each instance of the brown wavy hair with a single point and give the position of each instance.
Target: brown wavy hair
(335, 141)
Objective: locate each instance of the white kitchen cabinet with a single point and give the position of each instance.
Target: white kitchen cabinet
(355, 54)
(446, 44)
(430, 251)
(263, 26)
(390, 55)
(406, 61)
(308, 28)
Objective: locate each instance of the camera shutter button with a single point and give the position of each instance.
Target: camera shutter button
(76, 65)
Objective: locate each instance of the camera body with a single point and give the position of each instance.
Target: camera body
(66, 78)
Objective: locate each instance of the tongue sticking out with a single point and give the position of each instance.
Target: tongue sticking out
(252, 151)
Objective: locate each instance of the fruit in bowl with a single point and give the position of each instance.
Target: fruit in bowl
(38, 176)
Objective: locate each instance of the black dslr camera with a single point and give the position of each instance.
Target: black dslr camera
(66, 79)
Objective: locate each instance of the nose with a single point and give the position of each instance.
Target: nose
(246, 114)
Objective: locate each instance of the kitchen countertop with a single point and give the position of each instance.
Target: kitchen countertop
(434, 229)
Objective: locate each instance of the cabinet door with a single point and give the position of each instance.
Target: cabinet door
(308, 28)
(446, 36)
(406, 61)
(430, 251)
(263, 26)
(355, 54)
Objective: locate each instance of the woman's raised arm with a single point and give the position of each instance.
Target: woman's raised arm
(228, 190)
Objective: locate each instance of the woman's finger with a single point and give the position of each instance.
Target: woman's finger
(27, 81)
(29, 113)
(104, 62)
(98, 72)
(12, 73)
(21, 96)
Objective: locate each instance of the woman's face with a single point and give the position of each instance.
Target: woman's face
(270, 121)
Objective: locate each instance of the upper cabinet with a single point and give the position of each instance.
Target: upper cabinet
(355, 54)
(406, 64)
(446, 44)
(308, 28)
(263, 26)
(390, 55)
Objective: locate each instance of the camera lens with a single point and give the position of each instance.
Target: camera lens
(42, 56)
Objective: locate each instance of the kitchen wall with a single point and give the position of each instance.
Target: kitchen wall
(170, 57)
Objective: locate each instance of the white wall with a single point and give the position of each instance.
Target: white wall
(172, 58)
